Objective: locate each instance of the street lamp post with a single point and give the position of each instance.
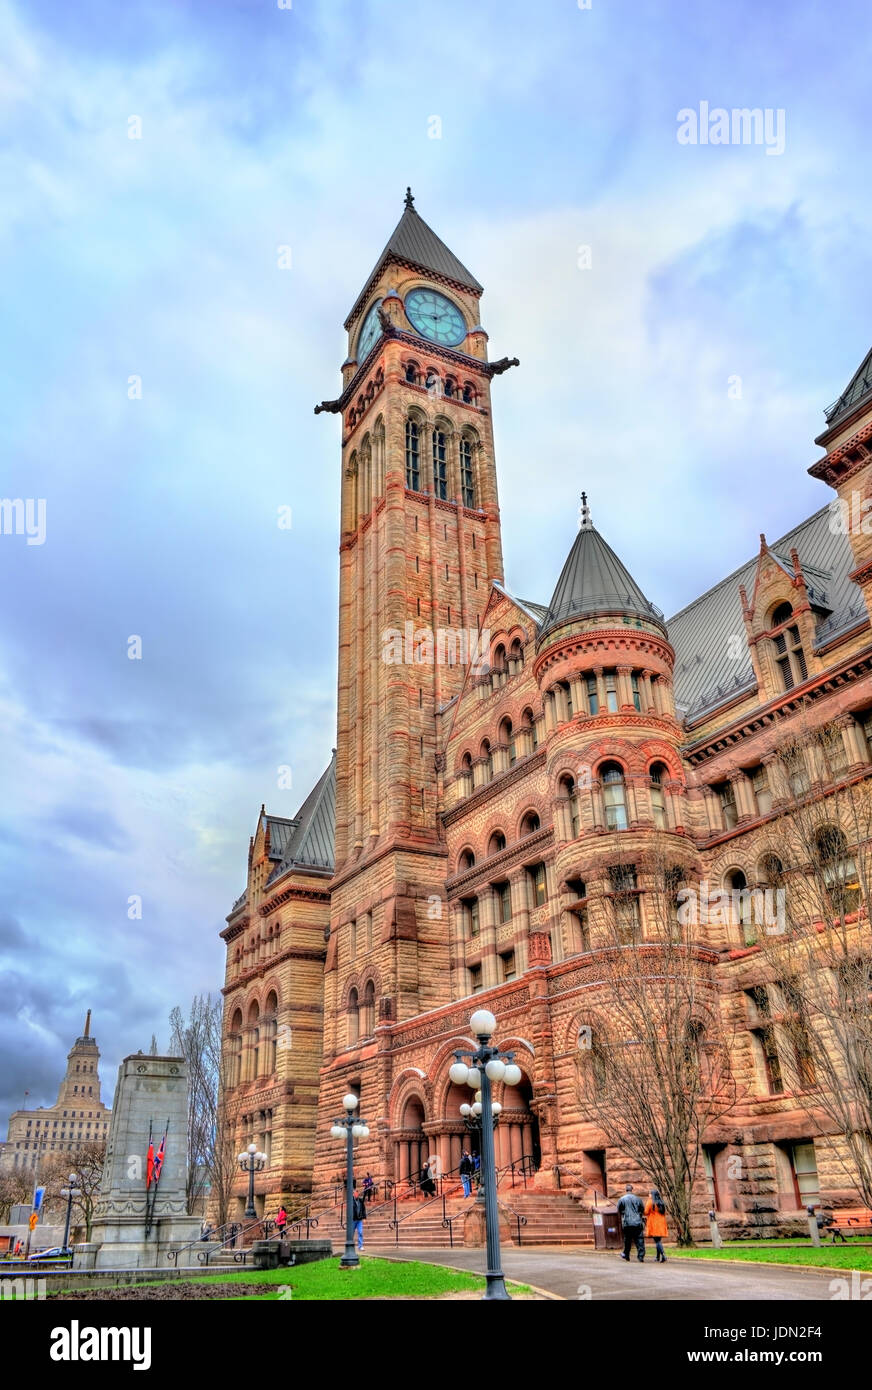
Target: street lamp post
(251, 1162)
(349, 1128)
(69, 1192)
(487, 1064)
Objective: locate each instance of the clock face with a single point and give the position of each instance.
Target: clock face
(369, 332)
(435, 317)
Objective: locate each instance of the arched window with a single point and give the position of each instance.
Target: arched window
(507, 738)
(467, 477)
(770, 872)
(412, 373)
(352, 1023)
(253, 1040)
(496, 843)
(530, 824)
(413, 457)
(781, 614)
(465, 861)
(498, 660)
(485, 754)
(433, 383)
(468, 393)
(741, 913)
(614, 796)
(516, 655)
(367, 1012)
(440, 471)
(656, 776)
(450, 387)
(270, 1033)
(837, 868)
(568, 789)
(529, 722)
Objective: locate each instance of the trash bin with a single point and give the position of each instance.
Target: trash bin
(607, 1232)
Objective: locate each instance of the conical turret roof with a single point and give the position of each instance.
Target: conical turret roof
(595, 582)
(416, 244)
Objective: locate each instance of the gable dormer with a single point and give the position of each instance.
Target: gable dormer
(780, 620)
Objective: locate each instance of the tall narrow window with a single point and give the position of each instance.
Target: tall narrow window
(614, 796)
(504, 901)
(625, 900)
(353, 1018)
(637, 697)
(413, 457)
(762, 790)
(658, 796)
(789, 657)
(440, 474)
(467, 481)
(538, 884)
(611, 684)
(367, 1011)
(592, 694)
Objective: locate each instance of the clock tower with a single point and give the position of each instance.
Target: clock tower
(419, 545)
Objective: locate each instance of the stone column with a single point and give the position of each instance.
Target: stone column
(549, 711)
(647, 692)
(855, 744)
(600, 688)
(743, 794)
(625, 692)
(487, 917)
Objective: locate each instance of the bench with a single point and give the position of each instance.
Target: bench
(850, 1220)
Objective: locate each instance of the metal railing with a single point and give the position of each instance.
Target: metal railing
(227, 1236)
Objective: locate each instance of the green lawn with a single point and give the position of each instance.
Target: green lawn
(825, 1257)
(373, 1278)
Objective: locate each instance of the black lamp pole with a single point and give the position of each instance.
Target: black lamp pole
(483, 1025)
(350, 1127)
(70, 1193)
(251, 1162)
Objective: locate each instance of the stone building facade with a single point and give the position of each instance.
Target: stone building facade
(78, 1117)
(502, 771)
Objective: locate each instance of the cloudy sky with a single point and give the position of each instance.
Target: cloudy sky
(159, 370)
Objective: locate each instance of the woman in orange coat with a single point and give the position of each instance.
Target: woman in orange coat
(655, 1222)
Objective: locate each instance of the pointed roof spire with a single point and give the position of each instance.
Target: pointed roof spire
(415, 244)
(594, 583)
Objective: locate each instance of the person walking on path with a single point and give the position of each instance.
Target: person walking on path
(655, 1222)
(358, 1216)
(467, 1168)
(632, 1214)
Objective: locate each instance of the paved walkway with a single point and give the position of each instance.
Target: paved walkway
(606, 1276)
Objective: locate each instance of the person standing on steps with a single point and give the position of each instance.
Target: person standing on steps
(655, 1222)
(632, 1214)
(358, 1216)
(467, 1168)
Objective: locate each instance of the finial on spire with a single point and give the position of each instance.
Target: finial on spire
(87, 1032)
(410, 201)
(584, 521)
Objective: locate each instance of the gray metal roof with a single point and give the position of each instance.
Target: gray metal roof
(310, 844)
(594, 580)
(712, 661)
(281, 831)
(857, 388)
(415, 243)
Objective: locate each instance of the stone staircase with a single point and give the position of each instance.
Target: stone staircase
(551, 1218)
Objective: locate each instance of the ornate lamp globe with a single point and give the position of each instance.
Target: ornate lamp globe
(496, 1069)
(483, 1023)
(465, 1109)
(458, 1073)
(512, 1075)
(349, 1102)
(252, 1148)
(337, 1132)
(473, 1078)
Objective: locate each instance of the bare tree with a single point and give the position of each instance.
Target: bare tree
(211, 1159)
(86, 1165)
(16, 1189)
(819, 954)
(654, 1070)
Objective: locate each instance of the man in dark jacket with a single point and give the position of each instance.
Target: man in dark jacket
(631, 1209)
(358, 1216)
